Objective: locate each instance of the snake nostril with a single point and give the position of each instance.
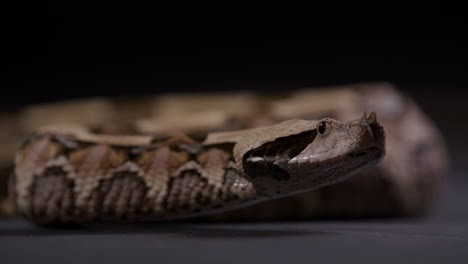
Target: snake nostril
(378, 155)
(377, 130)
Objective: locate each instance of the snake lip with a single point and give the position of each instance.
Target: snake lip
(374, 153)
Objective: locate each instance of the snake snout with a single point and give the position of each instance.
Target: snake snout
(378, 132)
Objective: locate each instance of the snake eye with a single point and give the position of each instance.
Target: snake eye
(322, 126)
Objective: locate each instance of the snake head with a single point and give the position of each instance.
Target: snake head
(299, 155)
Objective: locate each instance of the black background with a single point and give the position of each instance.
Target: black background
(60, 50)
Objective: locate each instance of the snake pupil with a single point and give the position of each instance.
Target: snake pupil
(321, 127)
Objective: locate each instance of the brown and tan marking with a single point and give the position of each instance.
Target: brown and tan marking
(76, 177)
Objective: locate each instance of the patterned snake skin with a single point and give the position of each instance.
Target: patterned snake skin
(178, 171)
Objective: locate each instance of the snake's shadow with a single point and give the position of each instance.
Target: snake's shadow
(18, 228)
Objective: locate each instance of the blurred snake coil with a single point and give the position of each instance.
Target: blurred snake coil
(166, 156)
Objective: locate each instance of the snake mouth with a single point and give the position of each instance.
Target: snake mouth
(372, 153)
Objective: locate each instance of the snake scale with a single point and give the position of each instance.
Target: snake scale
(236, 157)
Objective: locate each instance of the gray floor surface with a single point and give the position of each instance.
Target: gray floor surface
(441, 237)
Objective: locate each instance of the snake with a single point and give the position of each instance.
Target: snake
(228, 157)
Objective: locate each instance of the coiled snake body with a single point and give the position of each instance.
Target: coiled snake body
(200, 162)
